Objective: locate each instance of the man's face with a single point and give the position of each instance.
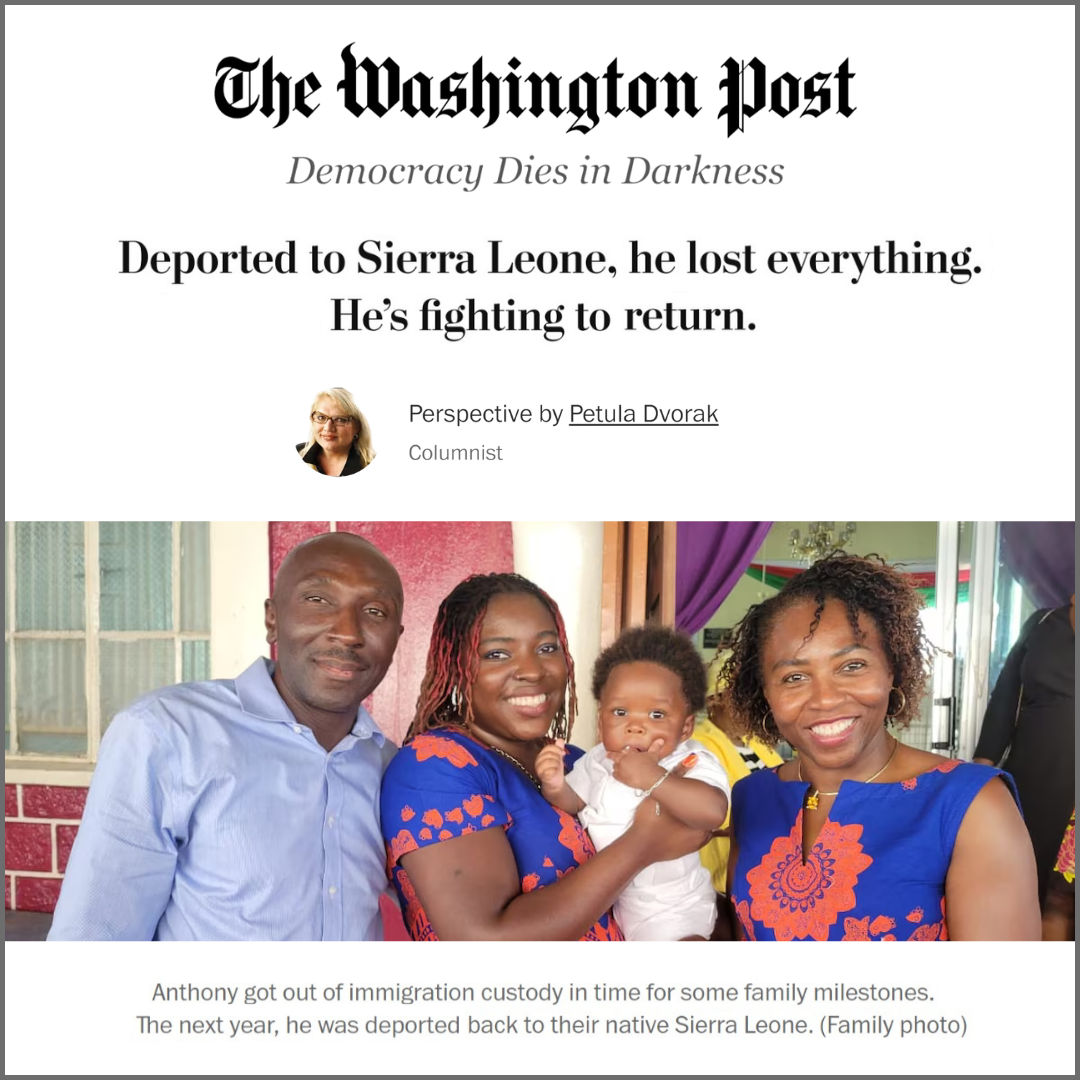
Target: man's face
(336, 618)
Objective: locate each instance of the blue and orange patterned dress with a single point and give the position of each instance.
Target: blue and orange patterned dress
(444, 784)
(877, 869)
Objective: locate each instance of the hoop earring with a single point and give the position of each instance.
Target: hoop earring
(903, 704)
(762, 721)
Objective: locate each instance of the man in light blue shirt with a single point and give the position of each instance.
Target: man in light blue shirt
(248, 808)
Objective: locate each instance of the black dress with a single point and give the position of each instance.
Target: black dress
(1031, 715)
(353, 465)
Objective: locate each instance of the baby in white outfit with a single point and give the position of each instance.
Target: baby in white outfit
(649, 685)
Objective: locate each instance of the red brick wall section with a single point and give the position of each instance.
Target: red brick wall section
(40, 823)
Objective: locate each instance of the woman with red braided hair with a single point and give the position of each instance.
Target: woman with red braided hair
(474, 849)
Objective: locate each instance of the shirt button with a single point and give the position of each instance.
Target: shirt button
(297, 728)
(333, 890)
(330, 822)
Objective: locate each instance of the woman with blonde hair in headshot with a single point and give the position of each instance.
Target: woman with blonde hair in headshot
(340, 439)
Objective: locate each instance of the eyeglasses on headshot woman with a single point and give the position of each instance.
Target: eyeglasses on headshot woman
(339, 443)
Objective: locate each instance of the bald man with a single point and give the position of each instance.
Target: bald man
(247, 809)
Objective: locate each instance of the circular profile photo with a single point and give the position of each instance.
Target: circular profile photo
(339, 438)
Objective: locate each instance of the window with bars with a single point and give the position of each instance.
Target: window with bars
(97, 614)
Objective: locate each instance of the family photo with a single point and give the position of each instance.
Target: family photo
(605, 731)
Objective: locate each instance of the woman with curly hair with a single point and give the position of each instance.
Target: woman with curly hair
(860, 837)
(474, 849)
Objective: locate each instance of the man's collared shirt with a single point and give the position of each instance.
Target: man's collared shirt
(214, 815)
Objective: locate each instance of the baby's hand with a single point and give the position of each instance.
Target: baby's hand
(549, 767)
(638, 769)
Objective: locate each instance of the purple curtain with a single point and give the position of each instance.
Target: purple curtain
(710, 556)
(1041, 555)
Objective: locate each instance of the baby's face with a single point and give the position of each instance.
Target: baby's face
(641, 703)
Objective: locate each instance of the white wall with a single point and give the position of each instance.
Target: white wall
(565, 558)
(239, 585)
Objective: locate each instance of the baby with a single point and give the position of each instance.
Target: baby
(649, 684)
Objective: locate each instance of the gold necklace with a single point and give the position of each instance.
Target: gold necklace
(811, 801)
(510, 757)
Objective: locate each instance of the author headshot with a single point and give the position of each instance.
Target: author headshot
(339, 442)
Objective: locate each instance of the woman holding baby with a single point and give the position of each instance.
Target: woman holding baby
(476, 850)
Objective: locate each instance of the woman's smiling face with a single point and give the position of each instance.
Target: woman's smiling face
(520, 680)
(329, 433)
(829, 691)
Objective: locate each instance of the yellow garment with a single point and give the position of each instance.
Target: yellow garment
(714, 855)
